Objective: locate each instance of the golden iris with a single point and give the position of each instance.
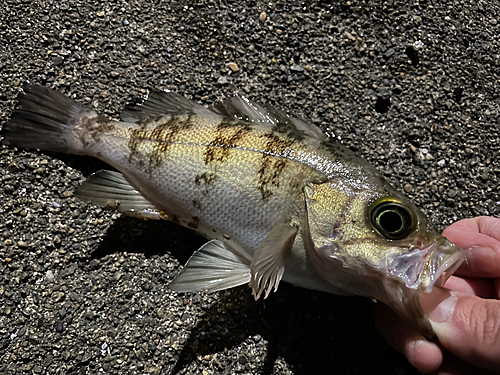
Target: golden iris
(391, 218)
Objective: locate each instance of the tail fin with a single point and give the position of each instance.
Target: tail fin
(45, 120)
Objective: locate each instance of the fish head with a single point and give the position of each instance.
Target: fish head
(372, 241)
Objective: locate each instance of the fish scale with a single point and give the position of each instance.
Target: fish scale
(277, 199)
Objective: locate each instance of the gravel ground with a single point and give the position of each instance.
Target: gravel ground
(411, 86)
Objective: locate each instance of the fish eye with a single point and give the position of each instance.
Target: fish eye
(392, 219)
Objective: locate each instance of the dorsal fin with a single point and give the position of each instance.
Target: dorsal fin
(241, 108)
(161, 103)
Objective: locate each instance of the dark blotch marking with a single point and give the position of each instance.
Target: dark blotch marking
(163, 135)
(273, 163)
(194, 223)
(207, 178)
(228, 134)
(336, 230)
(93, 128)
(136, 137)
(196, 204)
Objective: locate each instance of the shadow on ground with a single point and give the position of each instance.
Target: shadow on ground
(313, 332)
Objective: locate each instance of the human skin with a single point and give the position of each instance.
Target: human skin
(465, 314)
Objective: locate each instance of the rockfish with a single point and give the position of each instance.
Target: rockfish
(276, 197)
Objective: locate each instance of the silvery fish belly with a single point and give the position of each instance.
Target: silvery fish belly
(277, 199)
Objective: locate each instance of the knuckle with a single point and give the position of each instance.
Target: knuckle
(484, 322)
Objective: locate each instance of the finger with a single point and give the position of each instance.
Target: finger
(489, 226)
(424, 355)
(484, 288)
(480, 239)
(467, 326)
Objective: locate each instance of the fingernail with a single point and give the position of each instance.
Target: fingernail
(479, 256)
(438, 305)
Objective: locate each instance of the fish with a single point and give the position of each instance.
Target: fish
(276, 198)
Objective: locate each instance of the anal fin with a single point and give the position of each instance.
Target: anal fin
(268, 263)
(110, 189)
(214, 266)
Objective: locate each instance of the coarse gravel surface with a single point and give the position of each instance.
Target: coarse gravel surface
(413, 86)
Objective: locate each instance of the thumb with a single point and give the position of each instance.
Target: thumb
(467, 326)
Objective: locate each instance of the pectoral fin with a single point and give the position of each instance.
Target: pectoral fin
(109, 189)
(215, 266)
(268, 263)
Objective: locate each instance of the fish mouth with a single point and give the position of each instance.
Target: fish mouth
(418, 271)
(444, 260)
(421, 269)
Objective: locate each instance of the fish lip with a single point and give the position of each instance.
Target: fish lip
(444, 260)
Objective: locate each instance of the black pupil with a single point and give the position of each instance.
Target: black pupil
(391, 221)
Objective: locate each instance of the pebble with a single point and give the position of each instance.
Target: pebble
(49, 275)
(12, 167)
(22, 244)
(263, 16)
(233, 66)
(296, 68)
(408, 188)
(8, 189)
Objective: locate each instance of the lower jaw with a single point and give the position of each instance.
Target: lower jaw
(446, 269)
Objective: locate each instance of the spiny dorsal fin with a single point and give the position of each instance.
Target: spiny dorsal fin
(109, 189)
(241, 108)
(161, 103)
(268, 263)
(215, 266)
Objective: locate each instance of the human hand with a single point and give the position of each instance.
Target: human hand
(465, 314)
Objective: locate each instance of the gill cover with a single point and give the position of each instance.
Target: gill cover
(323, 206)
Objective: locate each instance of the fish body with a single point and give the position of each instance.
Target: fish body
(276, 198)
